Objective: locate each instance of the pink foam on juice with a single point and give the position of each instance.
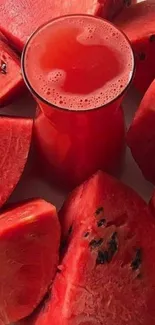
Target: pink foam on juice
(79, 63)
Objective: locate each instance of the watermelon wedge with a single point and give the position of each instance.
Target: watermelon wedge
(141, 135)
(15, 140)
(29, 252)
(20, 18)
(97, 196)
(111, 8)
(11, 80)
(107, 275)
(137, 22)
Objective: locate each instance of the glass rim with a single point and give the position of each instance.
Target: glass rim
(49, 103)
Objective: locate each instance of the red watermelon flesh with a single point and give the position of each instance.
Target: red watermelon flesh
(15, 140)
(29, 251)
(111, 8)
(141, 135)
(138, 23)
(11, 80)
(101, 190)
(108, 273)
(19, 18)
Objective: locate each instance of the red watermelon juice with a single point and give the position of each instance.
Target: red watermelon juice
(78, 68)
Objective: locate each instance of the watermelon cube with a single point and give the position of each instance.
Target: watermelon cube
(29, 253)
(137, 22)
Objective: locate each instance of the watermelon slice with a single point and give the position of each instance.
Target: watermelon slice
(29, 251)
(141, 135)
(11, 80)
(15, 140)
(111, 8)
(107, 275)
(99, 191)
(19, 18)
(137, 22)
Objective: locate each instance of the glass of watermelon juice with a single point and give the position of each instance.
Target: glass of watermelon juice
(78, 68)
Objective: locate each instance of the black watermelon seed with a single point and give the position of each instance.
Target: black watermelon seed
(96, 243)
(127, 2)
(86, 234)
(3, 67)
(102, 258)
(101, 222)
(137, 261)
(99, 210)
(142, 56)
(113, 246)
(70, 230)
(152, 38)
(139, 276)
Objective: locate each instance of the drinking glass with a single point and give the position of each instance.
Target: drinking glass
(74, 142)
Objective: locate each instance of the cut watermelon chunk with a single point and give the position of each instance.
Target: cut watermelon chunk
(15, 140)
(137, 22)
(97, 196)
(11, 80)
(107, 275)
(20, 18)
(29, 250)
(141, 135)
(111, 8)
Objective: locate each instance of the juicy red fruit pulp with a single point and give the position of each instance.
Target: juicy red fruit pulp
(141, 135)
(11, 82)
(29, 253)
(83, 62)
(15, 141)
(20, 18)
(137, 22)
(107, 274)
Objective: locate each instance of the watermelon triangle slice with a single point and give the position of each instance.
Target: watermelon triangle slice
(15, 140)
(107, 274)
(97, 197)
(29, 252)
(141, 135)
(20, 18)
(11, 81)
(137, 22)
